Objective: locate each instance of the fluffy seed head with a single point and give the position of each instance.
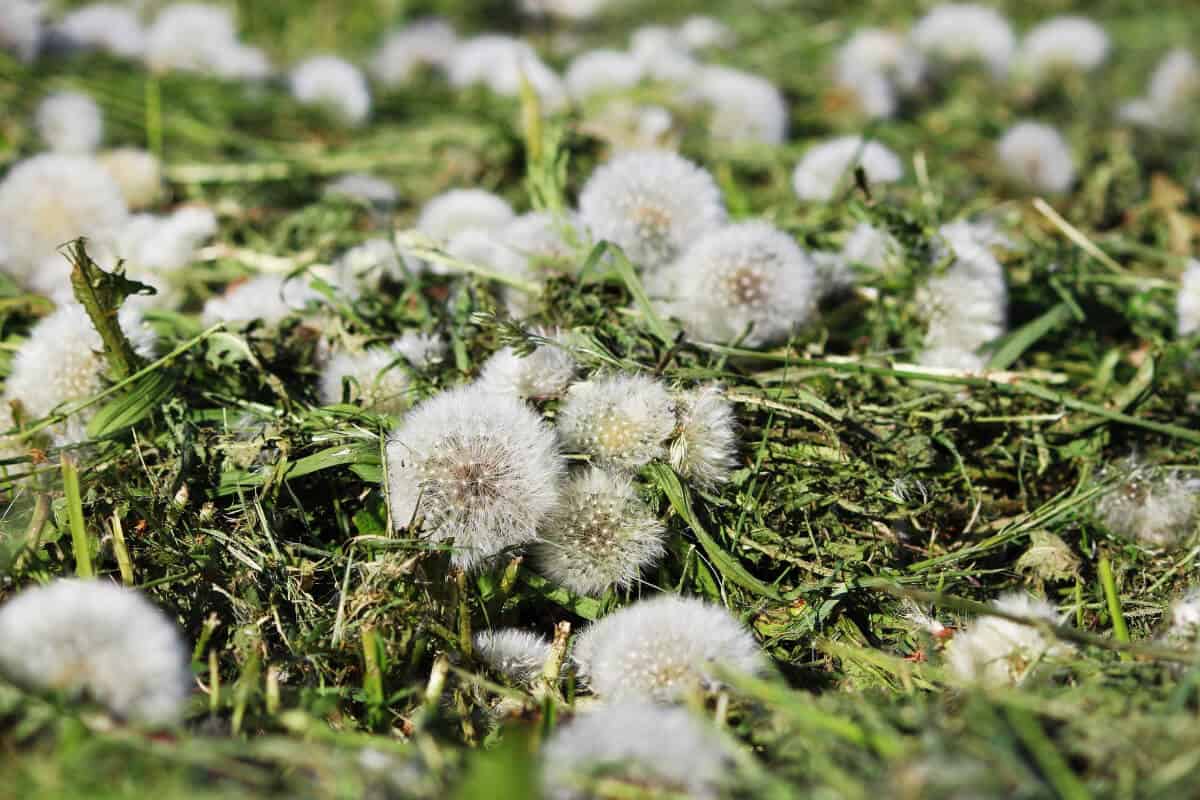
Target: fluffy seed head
(107, 27)
(575, 10)
(420, 349)
(1037, 156)
(871, 247)
(602, 71)
(374, 192)
(334, 84)
(743, 107)
(544, 240)
(660, 648)
(600, 535)
(877, 66)
(704, 449)
(97, 639)
(481, 470)
(627, 126)
(499, 63)
(458, 210)
(201, 37)
(269, 298)
(618, 420)
(1173, 96)
(1156, 510)
(663, 53)
(514, 653)
(652, 204)
(957, 33)
(1187, 304)
(827, 165)
(1063, 44)
(426, 42)
(542, 374)
(699, 32)
(21, 27)
(376, 380)
(488, 250)
(993, 651)
(644, 747)
(69, 122)
(745, 276)
(369, 264)
(138, 173)
(1183, 621)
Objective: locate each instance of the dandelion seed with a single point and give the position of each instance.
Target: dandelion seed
(96, 639)
(374, 192)
(1158, 510)
(827, 165)
(743, 107)
(1173, 96)
(704, 449)
(619, 420)
(423, 43)
(662, 647)
(21, 27)
(481, 470)
(1037, 156)
(69, 122)
(993, 651)
(644, 747)
(652, 204)
(138, 174)
(748, 278)
(542, 374)
(600, 536)
(107, 27)
(333, 84)
(518, 655)
(1187, 304)
(1062, 44)
(502, 63)
(600, 72)
(699, 32)
(269, 298)
(376, 381)
(958, 33)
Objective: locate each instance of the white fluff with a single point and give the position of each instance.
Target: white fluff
(138, 173)
(652, 204)
(704, 449)
(108, 27)
(367, 265)
(69, 122)
(1155, 509)
(602, 71)
(458, 210)
(748, 276)
(542, 374)
(660, 648)
(420, 349)
(21, 27)
(376, 380)
(201, 37)
(700, 32)
(830, 164)
(481, 471)
(97, 639)
(1183, 620)
(742, 107)
(878, 66)
(152, 248)
(872, 247)
(663, 53)
(333, 84)
(574, 10)
(1187, 304)
(1173, 96)
(425, 42)
(619, 420)
(644, 747)
(269, 298)
(627, 126)
(518, 655)
(544, 240)
(993, 651)
(1066, 43)
(375, 192)
(957, 33)
(599, 536)
(499, 63)
(488, 250)
(1037, 156)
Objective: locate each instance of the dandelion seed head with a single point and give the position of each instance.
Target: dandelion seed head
(662, 647)
(518, 655)
(1155, 509)
(871, 246)
(882, 52)
(138, 174)
(420, 349)
(376, 381)
(827, 165)
(367, 265)
(481, 470)
(201, 37)
(1184, 617)
(21, 27)
(704, 449)
(375, 192)
(334, 84)
(743, 107)
(574, 10)
(69, 122)
(1037, 156)
(630, 127)
(602, 71)
(993, 651)
(663, 54)
(459, 210)
(542, 374)
(619, 420)
(108, 27)
(425, 42)
(499, 63)
(957, 33)
(269, 298)
(1065, 43)
(652, 204)
(699, 32)
(643, 746)
(542, 239)
(1176, 81)
(1187, 304)
(487, 249)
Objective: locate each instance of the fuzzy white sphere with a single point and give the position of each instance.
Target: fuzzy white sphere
(956, 33)
(748, 276)
(544, 239)
(699, 32)
(137, 172)
(1158, 510)
(367, 265)
(1183, 619)
(421, 349)
(425, 42)
(480, 470)
(269, 298)
(660, 648)
(368, 189)
(94, 638)
(152, 248)
(663, 53)
(743, 107)
(21, 27)
(542, 374)
(705, 446)
(652, 204)
(641, 746)
(333, 84)
(501, 63)
(376, 380)
(599, 536)
(627, 126)
(1037, 156)
(878, 66)
(189, 36)
(602, 71)
(108, 27)
(1066, 43)
(872, 247)
(619, 420)
(993, 651)
(457, 210)
(488, 250)
(574, 10)
(62, 362)
(518, 655)
(830, 164)
(1187, 303)
(69, 122)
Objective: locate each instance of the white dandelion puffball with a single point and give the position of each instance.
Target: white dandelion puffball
(747, 278)
(957, 33)
(1173, 96)
(237, 61)
(376, 380)
(630, 127)
(878, 66)
(62, 362)
(601, 72)
(829, 164)
(1037, 156)
(664, 55)
(1158, 510)
(426, 42)
(544, 239)
(480, 470)
(457, 210)
(516, 654)
(599, 536)
(153, 247)
(1187, 304)
(501, 63)
(94, 638)
(993, 651)
(421, 349)
(1184, 617)
(645, 747)
(21, 27)
(872, 247)
(69, 122)
(108, 27)
(487, 250)
(367, 189)
(270, 298)
(619, 420)
(1066, 43)
(333, 84)
(699, 32)
(574, 10)
(542, 374)
(742, 107)
(138, 173)
(369, 264)
(705, 446)
(48, 200)
(189, 36)
(652, 204)
(662, 647)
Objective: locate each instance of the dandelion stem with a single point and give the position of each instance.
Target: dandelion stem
(101, 294)
(80, 545)
(1109, 584)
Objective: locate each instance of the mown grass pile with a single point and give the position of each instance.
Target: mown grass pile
(573, 398)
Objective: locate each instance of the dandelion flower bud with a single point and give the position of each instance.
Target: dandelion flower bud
(138, 173)
(100, 640)
(1062, 44)
(107, 27)
(426, 42)
(958, 33)
(334, 84)
(270, 298)
(748, 276)
(830, 164)
(993, 651)
(1187, 304)
(482, 471)
(662, 647)
(542, 374)
(744, 108)
(652, 204)
(1037, 156)
(1156, 510)
(376, 380)
(664, 751)
(70, 122)
(518, 655)
(619, 420)
(600, 535)
(704, 449)
(600, 72)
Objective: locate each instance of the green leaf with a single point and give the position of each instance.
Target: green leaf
(147, 394)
